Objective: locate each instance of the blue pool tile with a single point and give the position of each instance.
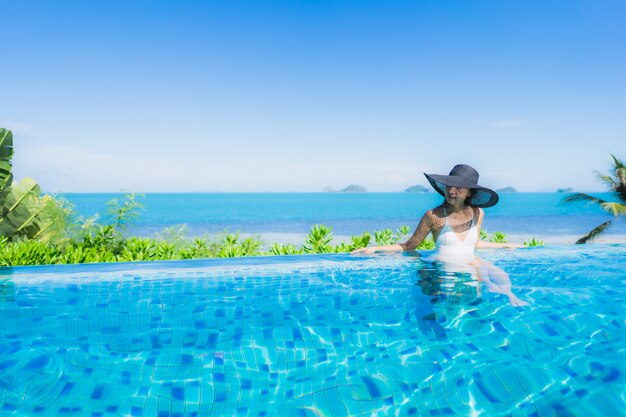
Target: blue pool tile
(96, 394)
(67, 388)
(37, 363)
(178, 393)
(371, 386)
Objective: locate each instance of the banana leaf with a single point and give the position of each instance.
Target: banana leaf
(23, 212)
(6, 154)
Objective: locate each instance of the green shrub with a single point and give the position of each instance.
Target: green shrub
(318, 240)
(277, 249)
(402, 234)
(498, 237)
(533, 242)
(384, 237)
(427, 244)
(28, 252)
(139, 249)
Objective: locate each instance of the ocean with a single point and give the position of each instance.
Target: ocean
(287, 217)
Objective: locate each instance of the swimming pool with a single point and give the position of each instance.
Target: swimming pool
(328, 335)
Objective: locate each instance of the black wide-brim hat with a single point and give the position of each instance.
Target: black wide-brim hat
(466, 177)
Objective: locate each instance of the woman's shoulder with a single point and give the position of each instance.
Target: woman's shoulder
(435, 216)
(436, 211)
(479, 213)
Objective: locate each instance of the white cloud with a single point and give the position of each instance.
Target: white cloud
(22, 129)
(506, 124)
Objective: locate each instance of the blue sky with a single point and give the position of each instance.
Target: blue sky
(298, 95)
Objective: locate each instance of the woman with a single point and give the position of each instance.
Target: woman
(455, 226)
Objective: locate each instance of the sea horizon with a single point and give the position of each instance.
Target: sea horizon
(287, 217)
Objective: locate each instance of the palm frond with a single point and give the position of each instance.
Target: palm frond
(618, 163)
(583, 197)
(607, 180)
(619, 174)
(620, 188)
(594, 233)
(614, 208)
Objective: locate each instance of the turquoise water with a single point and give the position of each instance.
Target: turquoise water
(536, 214)
(331, 335)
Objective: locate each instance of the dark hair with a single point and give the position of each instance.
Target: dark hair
(468, 200)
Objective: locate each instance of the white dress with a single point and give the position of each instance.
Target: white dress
(456, 254)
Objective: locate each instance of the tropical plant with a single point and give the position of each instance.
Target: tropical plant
(384, 237)
(427, 244)
(318, 240)
(28, 252)
(616, 182)
(125, 211)
(402, 233)
(278, 249)
(24, 213)
(198, 249)
(358, 242)
(498, 237)
(166, 250)
(533, 242)
(139, 249)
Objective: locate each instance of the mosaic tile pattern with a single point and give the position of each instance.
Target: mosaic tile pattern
(349, 337)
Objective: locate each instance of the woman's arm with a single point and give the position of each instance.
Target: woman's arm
(421, 231)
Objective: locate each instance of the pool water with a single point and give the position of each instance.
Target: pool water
(329, 335)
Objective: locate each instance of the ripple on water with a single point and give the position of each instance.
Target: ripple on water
(382, 336)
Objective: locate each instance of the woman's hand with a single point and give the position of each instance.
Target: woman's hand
(374, 249)
(481, 244)
(364, 251)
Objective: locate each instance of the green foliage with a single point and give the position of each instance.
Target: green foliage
(616, 183)
(176, 235)
(358, 242)
(80, 254)
(231, 246)
(498, 237)
(125, 211)
(198, 249)
(6, 156)
(81, 240)
(139, 249)
(318, 240)
(384, 237)
(24, 213)
(427, 244)
(533, 242)
(387, 237)
(166, 251)
(105, 238)
(27, 252)
(402, 234)
(278, 249)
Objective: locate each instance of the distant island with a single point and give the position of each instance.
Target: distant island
(353, 189)
(417, 189)
(565, 190)
(349, 189)
(506, 190)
